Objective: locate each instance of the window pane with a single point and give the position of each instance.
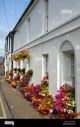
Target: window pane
(73, 81)
(46, 14)
(72, 59)
(45, 64)
(72, 69)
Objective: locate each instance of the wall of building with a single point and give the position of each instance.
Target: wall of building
(20, 37)
(52, 48)
(59, 12)
(36, 26)
(8, 61)
(50, 44)
(62, 10)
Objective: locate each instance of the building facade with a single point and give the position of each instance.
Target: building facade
(8, 51)
(50, 30)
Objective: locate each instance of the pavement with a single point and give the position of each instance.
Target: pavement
(4, 110)
(18, 107)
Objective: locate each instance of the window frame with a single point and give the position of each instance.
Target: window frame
(45, 65)
(46, 15)
(73, 69)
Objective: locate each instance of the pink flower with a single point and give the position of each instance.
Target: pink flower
(25, 94)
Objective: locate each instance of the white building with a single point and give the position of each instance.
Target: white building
(8, 51)
(50, 29)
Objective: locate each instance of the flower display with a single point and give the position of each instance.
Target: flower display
(14, 84)
(24, 54)
(7, 73)
(15, 80)
(46, 105)
(17, 77)
(26, 78)
(15, 57)
(45, 81)
(6, 78)
(39, 95)
(11, 73)
(61, 107)
(18, 85)
(64, 103)
(15, 70)
(44, 91)
(36, 100)
(22, 71)
(19, 70)
(10, 81)
(21, 55)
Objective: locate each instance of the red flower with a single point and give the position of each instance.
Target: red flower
(43, 112)
(57, 102)
(66, 89)
(62, 116)
(44, 78)
(73, 89)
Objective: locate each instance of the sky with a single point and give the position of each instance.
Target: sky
(14, 9)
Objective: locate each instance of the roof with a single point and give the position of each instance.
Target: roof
(30, 4)
(13, 31)
(9, 34)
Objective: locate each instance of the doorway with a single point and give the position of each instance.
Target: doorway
(67, 64)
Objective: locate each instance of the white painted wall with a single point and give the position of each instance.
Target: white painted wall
(62, 10)
(20, 37)
(36, 26)
(50, 44)
(37, 19)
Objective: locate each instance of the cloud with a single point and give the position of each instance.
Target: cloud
(3, 33)
(2, 52)
(2, 47)
(2, 44)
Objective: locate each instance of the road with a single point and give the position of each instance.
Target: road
(4, 109)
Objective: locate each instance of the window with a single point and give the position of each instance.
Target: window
(12, 64)
(72, 69)
(6, 46)
(18, 64)
(12, 43)
(28, 36)
(46, 15)
(45, 65)
(9, 43)
(28, 65)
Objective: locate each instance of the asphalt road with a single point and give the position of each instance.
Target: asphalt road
(4, 109)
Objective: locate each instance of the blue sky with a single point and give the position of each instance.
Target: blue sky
(14, 9)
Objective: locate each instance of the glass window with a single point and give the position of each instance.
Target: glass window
(46, 15)
(28, 36)
(72, 64)
(72, 69)
(9, 43)
(28, 65)
(45, 58)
